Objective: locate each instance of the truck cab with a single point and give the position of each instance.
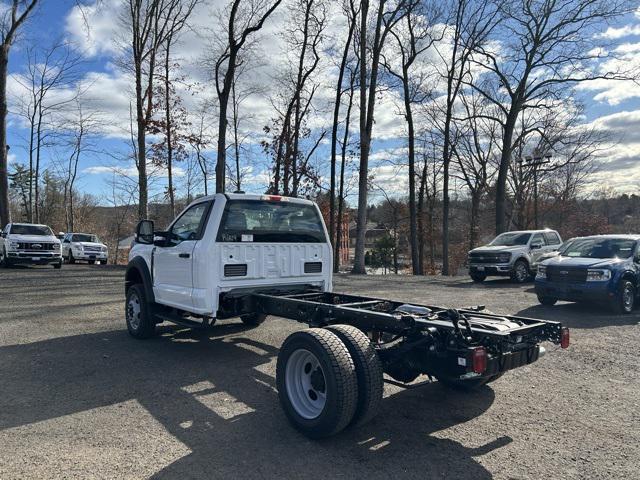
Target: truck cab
(224, 245)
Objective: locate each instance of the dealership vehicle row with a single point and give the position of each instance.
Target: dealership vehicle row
(31, 244)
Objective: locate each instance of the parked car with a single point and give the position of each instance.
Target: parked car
(512, 254)
(84, 246)
(604, 268)
(29, 244)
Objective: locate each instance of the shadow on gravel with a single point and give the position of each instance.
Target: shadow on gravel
(580, 315)
(210, 392)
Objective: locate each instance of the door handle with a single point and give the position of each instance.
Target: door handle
(184, 255)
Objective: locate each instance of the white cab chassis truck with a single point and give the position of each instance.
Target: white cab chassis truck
(250, 256)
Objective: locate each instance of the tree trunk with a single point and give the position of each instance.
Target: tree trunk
(413, 216)
(503, 172)
(223, 99)
(334, 141)
(5, 216)
(168, 126)
(473, 224)
(143, 199)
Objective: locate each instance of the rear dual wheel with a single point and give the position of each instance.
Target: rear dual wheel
(328, 379)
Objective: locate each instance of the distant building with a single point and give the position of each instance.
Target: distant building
(373, 233)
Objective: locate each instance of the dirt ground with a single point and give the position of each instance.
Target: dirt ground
(81, 399)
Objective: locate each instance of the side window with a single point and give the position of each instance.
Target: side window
(552, 238)
(67, 238)
(537, 239)
(190, 225)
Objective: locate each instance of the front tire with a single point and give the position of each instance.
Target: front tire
(624, 301)
(4, 260)
(478, 277)
(520, 272)
(71, 260)
(58, 265)
(368, 371)
(547, 301)
(140, 321)
(317, 382)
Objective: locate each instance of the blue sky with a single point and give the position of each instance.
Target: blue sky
(612, 107)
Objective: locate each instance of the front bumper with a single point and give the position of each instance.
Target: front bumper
(575, 292)
(497, 269)
(33, 258)
(101, 256)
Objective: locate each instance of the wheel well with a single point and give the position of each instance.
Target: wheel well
(522, 259)
(629, 276)
(132, 277)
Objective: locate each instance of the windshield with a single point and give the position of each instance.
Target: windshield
(31, 230)
(270, 221)
(84, 237)
(600, 248)
(510, 239)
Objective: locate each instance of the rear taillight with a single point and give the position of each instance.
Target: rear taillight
(564, 337)
(276, 198)
(479, 360)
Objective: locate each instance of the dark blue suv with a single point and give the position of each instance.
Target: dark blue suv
(603, 268)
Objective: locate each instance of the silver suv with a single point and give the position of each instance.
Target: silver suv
(512, 254)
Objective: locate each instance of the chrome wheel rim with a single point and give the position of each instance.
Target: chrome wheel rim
(305, 383)
(133, 311)
(521, 272)
(627, 298)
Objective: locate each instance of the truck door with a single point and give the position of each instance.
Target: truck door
(173, 263)
(537, 245)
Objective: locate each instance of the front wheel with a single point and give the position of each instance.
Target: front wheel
(548, 301)
(520, 272)
(624, 301)
(70, 259)
(478, 277)
(140, 321)
(58, 265)
(4, 261)
(317, 383)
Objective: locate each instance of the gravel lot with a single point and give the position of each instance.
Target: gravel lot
(81, 399)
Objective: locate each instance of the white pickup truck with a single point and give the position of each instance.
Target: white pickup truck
(29, 244)
(249, 256)
(84, 246)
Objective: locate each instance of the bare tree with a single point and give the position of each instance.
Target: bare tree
(549, 46)
(12, 19)
(149, 23)
(385, 17)
(413, 36)
(50, 80)
(475, 150)
(351, 14)
(83, 127)
(246, 17)
(472, 22)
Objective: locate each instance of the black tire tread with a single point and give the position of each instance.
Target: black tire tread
(368, 372)
(148, 326)
(253, 319)
(343, 370)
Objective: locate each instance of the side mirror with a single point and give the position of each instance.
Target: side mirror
(144, 232)
(536, 246)
(3, 234)
(161, 239)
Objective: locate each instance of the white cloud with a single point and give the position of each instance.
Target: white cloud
(95, 28)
